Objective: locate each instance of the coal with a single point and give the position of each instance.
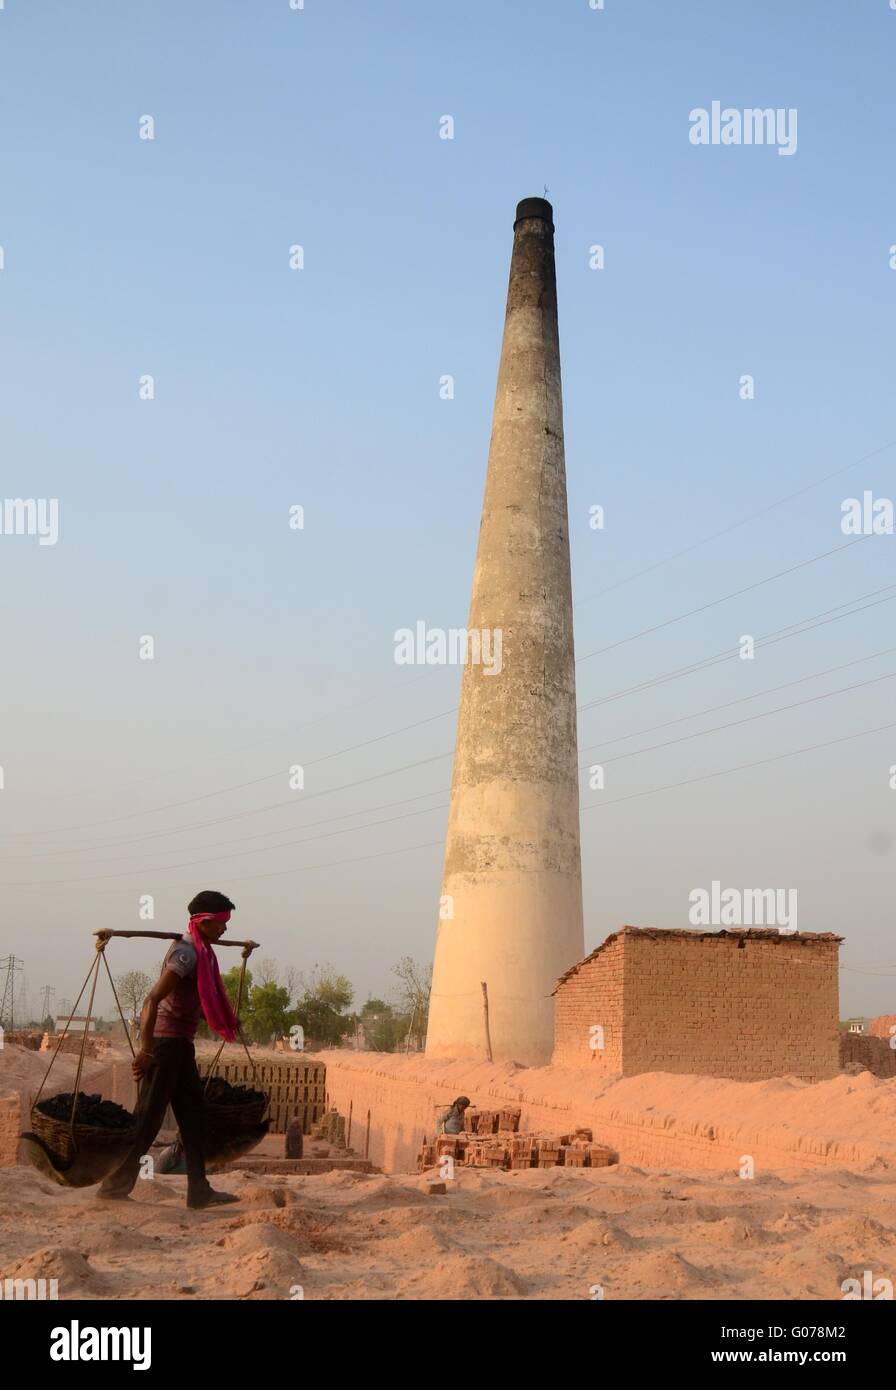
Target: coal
(220, 1092)
(90, 1110)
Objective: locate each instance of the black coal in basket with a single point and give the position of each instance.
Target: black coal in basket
(234, 1115)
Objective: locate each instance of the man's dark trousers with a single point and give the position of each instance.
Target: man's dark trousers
(170, 1079)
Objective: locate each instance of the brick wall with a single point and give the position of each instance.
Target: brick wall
(671, 1123)
(10, 1126)
(873, 1053)
(591, 998)
(746, 1004)
(880, 1027)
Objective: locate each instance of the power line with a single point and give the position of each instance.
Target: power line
(695, 545)
(735, 525)
(301, 868)
(767, 640)
(741, 699)
(263, 849)
(254, 811)
(725, 771)
(748, 719)
(237, 840)
(115, 820)
(604, 743)
(714, 603)
(791, 630)
(431, 844)
(305, 724)
(215, 858)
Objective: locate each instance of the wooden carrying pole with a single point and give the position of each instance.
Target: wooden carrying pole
(105, 933)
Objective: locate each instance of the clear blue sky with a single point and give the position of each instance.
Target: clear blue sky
(275, 387)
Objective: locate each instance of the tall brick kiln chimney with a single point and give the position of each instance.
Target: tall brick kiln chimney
(512, 873)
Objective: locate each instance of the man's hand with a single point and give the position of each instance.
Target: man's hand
(141, 1063)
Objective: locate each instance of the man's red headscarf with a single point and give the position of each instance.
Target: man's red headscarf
(212, 995)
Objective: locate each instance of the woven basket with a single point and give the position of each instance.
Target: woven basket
(234, 1117)
(65, 1142)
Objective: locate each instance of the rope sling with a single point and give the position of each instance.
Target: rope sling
(62, 1159)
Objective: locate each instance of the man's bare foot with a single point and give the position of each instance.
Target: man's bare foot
(211, 1199)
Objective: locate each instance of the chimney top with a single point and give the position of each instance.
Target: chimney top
(535, 207)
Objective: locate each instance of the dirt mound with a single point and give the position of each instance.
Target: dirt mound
(462, 1277)
(262, 1262)
(69, 1267)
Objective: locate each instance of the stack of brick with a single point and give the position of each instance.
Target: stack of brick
(95, 1048)
(508, 1149)
(25, 1037)
(867, 1052)
(522, 1151)
(548, 1151)
(489, 1152)
(296, 1088)
(426, 1157)
(330, 1127)
(504, 1121)
(453, 1146)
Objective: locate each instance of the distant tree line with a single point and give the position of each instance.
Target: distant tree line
(275, 999)
(321, 1001)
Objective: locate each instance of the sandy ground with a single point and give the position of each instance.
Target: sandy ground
(638, 1232)
(530, 1235)
(23, 1071)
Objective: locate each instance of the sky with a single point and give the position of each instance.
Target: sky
(128, 777)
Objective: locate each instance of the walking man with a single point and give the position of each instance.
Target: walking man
(188, 986)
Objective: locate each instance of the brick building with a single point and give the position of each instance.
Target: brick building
(744, 1003)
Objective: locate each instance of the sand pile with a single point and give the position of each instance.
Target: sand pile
(22, 1071)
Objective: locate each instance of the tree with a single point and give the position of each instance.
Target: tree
(231, 982)
(414, 988)
(382, 1027)
(267, 972)
(271, 1015)
(321, 1008)
(133, 988)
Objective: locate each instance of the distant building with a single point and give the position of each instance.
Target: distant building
(76, 1024)
(857, 1025)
